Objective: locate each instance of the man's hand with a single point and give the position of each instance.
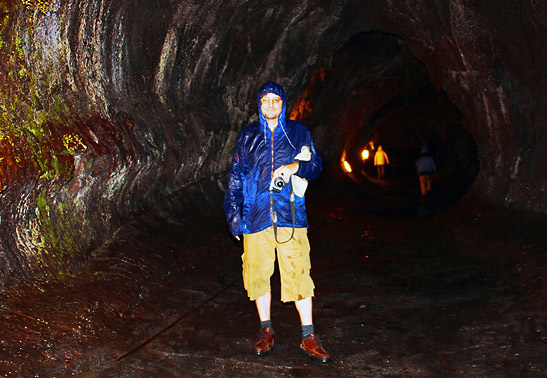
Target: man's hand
(286, 171)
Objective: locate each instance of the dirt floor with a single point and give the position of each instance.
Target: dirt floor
(404, 288)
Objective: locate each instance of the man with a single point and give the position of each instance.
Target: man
(380, 159)
(273, 158)
(425, 166)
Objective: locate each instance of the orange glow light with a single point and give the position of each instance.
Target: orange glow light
(346, 166)
(365, 154)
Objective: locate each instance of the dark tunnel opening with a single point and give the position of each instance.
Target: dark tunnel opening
(375, 92)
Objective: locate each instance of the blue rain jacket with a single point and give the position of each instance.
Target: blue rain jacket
(257, 155)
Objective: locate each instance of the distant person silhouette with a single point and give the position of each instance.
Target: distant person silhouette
(380, 160)
(425, 166)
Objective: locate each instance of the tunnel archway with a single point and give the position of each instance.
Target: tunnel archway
(373, 91)
(139, 100)
(122, 120)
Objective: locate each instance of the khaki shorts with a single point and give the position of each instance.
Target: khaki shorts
(293, 259)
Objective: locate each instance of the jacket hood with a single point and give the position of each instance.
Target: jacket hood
(272, 87)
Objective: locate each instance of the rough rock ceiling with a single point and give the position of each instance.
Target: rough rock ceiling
(115, 105)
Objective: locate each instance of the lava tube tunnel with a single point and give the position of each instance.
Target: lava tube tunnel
(392, 104)
(118, 123)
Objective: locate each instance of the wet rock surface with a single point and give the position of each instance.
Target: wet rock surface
(118, 119)
(460, 292)
(108, 107)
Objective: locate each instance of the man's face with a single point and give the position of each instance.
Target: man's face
(271, 106)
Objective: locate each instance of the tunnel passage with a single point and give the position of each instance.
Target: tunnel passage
(115, 106)
(374, 92)
(112, 110)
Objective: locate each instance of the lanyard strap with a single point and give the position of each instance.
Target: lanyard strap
(274, 216)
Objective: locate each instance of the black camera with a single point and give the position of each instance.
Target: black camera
(277, 184)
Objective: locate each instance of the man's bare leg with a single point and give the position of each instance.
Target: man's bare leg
(265, 340)
(305, 307)
(311, 345)
(263, 305)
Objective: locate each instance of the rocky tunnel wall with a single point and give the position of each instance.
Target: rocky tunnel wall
(108, 107)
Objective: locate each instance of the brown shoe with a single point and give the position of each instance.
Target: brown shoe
(264, 343)
(311, 347)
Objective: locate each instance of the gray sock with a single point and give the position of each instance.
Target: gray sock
(307, 330)
(267, 323)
